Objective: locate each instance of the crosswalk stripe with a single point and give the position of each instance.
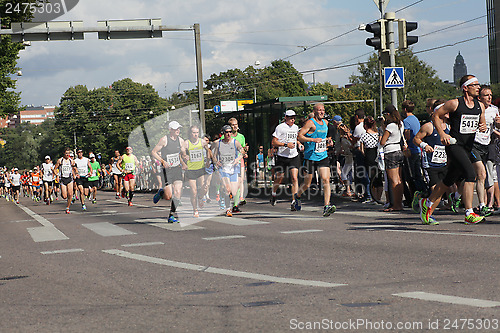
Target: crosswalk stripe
(62, 251)
(300, 231)
(143, 244)
(107, 229)
(47, 233)
(449, 299)
(236, 221)
(160, 223)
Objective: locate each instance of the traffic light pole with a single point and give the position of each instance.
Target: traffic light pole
(390, 17)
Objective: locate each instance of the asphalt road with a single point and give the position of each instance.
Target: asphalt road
(115, 268)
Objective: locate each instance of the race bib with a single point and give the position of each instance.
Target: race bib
(66, 170)
(439, 155)
(83, 170)
(320, 146)
(196, 155)
(94, 173)
(36, 178)
(291, 137)
(129, 166)
(48, 173)
(469, 124)
(173, 160)
(227, 159)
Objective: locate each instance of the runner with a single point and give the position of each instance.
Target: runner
(84, 171)
(35, 184)
(228, 154)
(466, 116)
(2, 184)
(169, 148)
(314, 136)
(193, 153)
(15, 181)
(117, 175)
(94, 177)
(287, 160)
(127, 164)
(48, 179)
(233, 122)
(68, 172)
(209, 169)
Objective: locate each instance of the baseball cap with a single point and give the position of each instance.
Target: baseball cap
(47, 157)
(290, 113)
(16, 169)
(226, 128)
(174, 125)
(79, 151)
(91, 155)
(337, 118)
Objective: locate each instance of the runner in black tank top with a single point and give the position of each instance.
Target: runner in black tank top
(466, 117)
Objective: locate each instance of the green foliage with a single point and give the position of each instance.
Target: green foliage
(421, 81)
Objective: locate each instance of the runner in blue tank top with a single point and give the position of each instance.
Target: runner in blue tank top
(314, 136)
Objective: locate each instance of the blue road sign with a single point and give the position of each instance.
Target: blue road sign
(394, 77)
(217, 108)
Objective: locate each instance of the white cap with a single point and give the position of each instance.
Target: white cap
(16, 169)
(174, 125)
(47, 157)
(91, 155)
(290, 113)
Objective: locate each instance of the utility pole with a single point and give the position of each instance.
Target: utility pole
(390, 17)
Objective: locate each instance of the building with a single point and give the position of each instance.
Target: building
(459, 68)
(32, 114)
(4, 122)
(493, 42)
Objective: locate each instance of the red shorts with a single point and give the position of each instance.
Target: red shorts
(128, 177)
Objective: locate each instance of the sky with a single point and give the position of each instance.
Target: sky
(236, 34)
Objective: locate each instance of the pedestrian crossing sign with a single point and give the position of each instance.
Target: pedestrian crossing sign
(394, 77)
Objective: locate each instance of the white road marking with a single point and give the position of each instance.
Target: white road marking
(375, 226)
(107, 229)
(62, 251)
(300, 231)
(160, 223)
(109, 211)
(449, 299)
(224, 237)
(236, 221)
(143, 244)
(46, 233)
(221, 271)
(446, 233)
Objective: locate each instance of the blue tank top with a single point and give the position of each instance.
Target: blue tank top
(438, 158)
(316, 151)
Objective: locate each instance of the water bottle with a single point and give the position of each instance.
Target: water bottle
(453, 141)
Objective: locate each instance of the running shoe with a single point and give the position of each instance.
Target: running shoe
(328, 210)
(130, 203)
(196, 214)
(67, 211)
(473, 218)
(158, 196)
(424, 211)
(432, 221)
(117, 196)
(172, 219)
(455, 203)
(94, 201)
(292, 206)
(242, 202)
(273, 200)
(84, 207)
(228, 213)
(236, 209)
(486, 211)
(17, 202)
(73, 200)
(414, 203)
(298, 204)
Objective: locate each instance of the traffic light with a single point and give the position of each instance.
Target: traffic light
(404, 29)
(378, 40)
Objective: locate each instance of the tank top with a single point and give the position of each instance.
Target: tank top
(35, 178)
(227, 154)
(316, 151)
(437, 158)
(66, 168)
(48, 176)
(128, 163)
(195, 154)
(83, 166)
(171, 152)
(464, 123)
(114, 167)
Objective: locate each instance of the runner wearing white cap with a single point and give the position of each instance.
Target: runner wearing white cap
(48, 179)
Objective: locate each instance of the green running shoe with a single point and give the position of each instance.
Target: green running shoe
(486, 211)
(473, 219)
(414, 203)
(455, 203)
(432, 221)
(328, 210)
(424, 211)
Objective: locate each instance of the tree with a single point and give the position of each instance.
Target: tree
(421, 81)
(9, 54)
